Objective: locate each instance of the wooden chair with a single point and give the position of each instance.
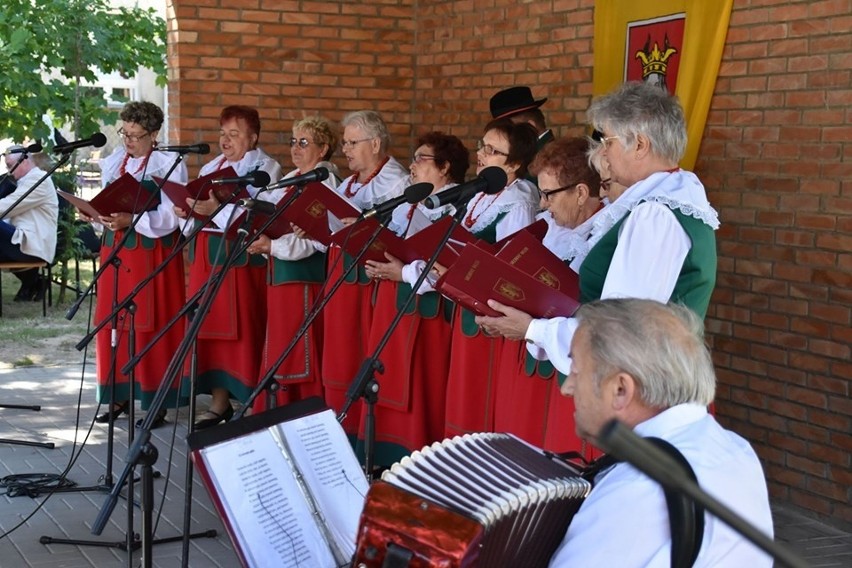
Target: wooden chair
(46, 273)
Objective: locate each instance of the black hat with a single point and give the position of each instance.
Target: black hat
(512, 101)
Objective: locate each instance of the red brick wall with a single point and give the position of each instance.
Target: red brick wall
(775, 159)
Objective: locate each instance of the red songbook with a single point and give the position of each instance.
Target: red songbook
(200, 188)
(524, 275)
(310, 211)
(278, 228)
(353, 238)
(537, 230)
(426, 241)
(121, 196)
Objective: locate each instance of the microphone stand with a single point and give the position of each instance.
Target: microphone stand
(620, 441)
(37, 408)
(268, 381)
(130, 543)
(142, 452)
(365, 385)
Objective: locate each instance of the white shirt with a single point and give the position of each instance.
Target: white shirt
(253, 160)
(638, 269)
(161, 221)
(519, 202)
(624, 521)
(36, 217)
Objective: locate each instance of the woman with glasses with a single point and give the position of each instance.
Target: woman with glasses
(231, 339)
(655, 241)
(376, 177)
(147, 246)
(295, 272)
(474, 356)
(410, 410)
(529, 404)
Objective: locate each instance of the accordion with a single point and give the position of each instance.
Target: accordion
(476, 500)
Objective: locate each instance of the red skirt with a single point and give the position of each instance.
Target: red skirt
(299, 375)
(230, 343)
(412, 389)
(472, 381)
(346, 330)
(156, 304)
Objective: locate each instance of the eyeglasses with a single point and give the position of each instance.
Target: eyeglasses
(132, 137)
(607, 139)
(546, 193)
(300, 142)
(605, 184)
(347, 144)
(422, 158)
(488, 149)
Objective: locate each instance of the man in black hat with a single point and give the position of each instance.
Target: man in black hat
(518, 105)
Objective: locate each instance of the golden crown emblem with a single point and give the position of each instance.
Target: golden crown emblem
(653, 60)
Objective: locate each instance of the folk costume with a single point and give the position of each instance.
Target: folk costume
(230, 341)
(474, 357)
(529, 402)
(147, 247)
(295, 273)
(656, 241)
(349, 313)
(412, 393)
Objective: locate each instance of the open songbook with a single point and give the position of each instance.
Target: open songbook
(200, 189)
(287, 485)
(125, 195)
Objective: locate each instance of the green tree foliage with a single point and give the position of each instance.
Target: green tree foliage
(51, 49)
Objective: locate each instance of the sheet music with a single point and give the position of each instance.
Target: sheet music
(266, 507)
(334, 478)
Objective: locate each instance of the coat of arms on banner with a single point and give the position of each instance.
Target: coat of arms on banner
(654, 49)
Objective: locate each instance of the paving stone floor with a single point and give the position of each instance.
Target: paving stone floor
(71, 515)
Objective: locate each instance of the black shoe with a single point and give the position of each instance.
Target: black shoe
(112, 414)
(160, 420)
(25, 293)
(40, 289)
(208, 422)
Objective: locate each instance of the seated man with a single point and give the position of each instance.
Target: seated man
(28, 232)
(646, 364)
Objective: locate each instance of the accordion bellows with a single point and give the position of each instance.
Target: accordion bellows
(476, 500)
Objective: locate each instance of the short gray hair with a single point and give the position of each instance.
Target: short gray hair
(371, 123)
(661, 346)
(641, 108)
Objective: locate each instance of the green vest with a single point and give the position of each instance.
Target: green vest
(697, 277)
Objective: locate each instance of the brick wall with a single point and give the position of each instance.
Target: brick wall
(775, 159)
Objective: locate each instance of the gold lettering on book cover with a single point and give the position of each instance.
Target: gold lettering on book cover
(519, 256)
(509, 290)
(471, 271)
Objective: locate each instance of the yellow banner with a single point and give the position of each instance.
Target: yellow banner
(678, 43)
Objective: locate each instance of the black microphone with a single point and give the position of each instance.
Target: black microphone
(31, 149)
(97, 140)
(317, 174)
(489, 181)
(191, 149)
(258, 206)
(257, 178)
(413, 194)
